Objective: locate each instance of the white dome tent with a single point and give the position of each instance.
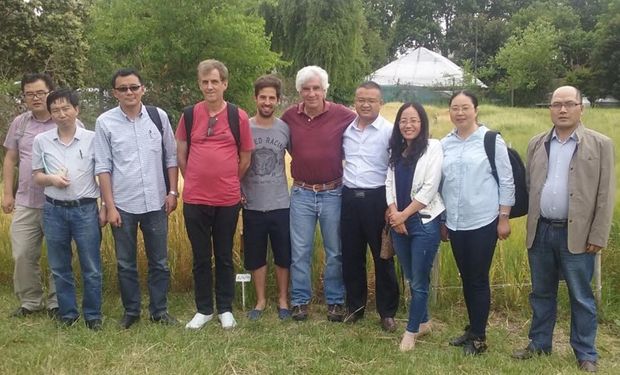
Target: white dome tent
(423, 74)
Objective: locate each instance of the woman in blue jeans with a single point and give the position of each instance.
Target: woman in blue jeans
(414, 207)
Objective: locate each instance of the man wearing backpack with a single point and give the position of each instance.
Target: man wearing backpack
(214, 152)
(571, 179)
(26, 203)
(128, 161)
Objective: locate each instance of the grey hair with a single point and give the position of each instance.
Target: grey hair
(308, 72)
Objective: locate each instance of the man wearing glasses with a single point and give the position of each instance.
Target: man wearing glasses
(213, 163)
(26, 203)
(571, 180)
(128, 161)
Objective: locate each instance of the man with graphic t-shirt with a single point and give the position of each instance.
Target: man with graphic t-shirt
(266, 198)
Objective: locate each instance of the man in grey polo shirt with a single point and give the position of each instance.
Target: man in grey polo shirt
(27, 203)
(128, 161)
(63, 161)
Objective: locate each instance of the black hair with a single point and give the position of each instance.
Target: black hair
(370, 85)
(398, 144)
(124, 72)
(268, 80)
(33, 77)
(468, 94)
(64, 93)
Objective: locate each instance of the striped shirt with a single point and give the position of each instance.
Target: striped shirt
(131, 151)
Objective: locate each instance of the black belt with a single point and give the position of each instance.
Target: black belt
(554, 222)
(75, 203)
(362, 193)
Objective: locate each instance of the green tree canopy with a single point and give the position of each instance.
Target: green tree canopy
(166, 42)
(43, 36)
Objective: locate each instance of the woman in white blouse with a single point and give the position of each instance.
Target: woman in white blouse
(414, 206)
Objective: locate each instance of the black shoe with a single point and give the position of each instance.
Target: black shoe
(475, 346)
(528, 352)
(460, 340)
(300, 312)
(388, 324)
(21, 312)
(94, 324)
(53, 313)
(165, 319)
(68, 322)
(128, 320)
(335, 313)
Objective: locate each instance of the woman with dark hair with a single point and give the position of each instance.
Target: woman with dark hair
(477, 211)
(414, 206)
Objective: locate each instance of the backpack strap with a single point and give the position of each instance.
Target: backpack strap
(153, 113)
(188, 121)
(233, 123)
(489, 148)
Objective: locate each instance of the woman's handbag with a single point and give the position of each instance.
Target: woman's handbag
(387, 247)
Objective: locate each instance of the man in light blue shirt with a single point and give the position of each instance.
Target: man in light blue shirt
(128, 155)
(365, 144)
(63, 161)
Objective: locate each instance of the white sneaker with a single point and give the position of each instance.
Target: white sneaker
(198, 321)
(227, 319)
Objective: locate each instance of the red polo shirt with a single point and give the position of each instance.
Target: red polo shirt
(316, 143)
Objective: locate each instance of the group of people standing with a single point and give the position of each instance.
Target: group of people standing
(423, 189)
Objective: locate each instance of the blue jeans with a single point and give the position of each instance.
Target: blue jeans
(549, 257)
(154, 227)
(306, 207)
(416, 252)
(81, 224)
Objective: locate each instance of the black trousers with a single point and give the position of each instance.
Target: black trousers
(203, 222)
(362, 219)
(473, 251)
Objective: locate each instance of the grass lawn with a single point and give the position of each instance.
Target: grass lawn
(36, 345)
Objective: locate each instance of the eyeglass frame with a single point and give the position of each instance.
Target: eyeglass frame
(568, 105)
(211, 126)
(125, 89)
(37, 94)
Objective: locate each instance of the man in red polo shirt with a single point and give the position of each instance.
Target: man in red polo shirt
(212, 167)
(316, 129)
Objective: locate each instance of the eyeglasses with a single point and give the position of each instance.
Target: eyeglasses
(568, 105)
(412, 121)
(133, 88)
(36, 94)
(363, 101)
(211, 125)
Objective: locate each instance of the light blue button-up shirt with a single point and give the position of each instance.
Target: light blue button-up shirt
(76, 160)
(131, 151)
(469, 190)
(554, 195)
(366, 154)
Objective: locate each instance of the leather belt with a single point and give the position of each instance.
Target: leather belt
(554, 222)
(75, 203)
(331, 185)
(362, 192)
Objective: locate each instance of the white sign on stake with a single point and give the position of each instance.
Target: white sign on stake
(243, 278)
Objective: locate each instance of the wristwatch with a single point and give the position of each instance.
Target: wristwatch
(173, 193)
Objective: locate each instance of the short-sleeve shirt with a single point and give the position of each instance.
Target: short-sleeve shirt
(20, 137)
(264, 185)
(76, 159)
(212, 171)
(316, 143)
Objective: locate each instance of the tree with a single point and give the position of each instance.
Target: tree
(606, 52)
(531, 60)
(166, 43)
(417, 25)
(324, 33)
(44, 36)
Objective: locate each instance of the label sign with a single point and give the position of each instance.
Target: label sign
(243, 277)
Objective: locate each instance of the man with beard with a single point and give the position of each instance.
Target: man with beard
(266, 198)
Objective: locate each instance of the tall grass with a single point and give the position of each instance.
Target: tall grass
(510, 270)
